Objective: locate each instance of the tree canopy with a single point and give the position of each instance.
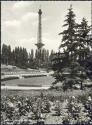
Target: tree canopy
(68, 65)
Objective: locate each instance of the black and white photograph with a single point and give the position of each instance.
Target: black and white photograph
(46, 62)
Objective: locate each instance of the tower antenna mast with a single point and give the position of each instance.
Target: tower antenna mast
(91, 17)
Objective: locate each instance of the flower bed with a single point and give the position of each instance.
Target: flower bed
(29, 110)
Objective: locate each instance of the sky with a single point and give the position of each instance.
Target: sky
(19, 21)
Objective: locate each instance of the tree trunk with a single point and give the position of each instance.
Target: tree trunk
(81, 86)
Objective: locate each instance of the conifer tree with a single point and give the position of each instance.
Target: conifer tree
(32, 54)
(83, 44)
(69, 71)
(6, 54)
(69, 35)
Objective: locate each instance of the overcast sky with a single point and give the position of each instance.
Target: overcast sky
(19, 21)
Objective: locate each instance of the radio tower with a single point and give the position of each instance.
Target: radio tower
(39, 43)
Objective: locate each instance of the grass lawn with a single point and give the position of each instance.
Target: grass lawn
(45, 80)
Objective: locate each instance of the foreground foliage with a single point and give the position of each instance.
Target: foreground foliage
(20, 109)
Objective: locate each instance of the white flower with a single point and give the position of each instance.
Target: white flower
(73, 97)
(16, 109)
(10, 104)
(89, 98)
(19, 102)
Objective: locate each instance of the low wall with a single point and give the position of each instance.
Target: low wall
(9, 78)
(20, 76)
